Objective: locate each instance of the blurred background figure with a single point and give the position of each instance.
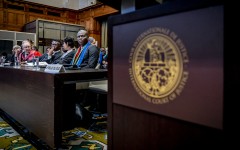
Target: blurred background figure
(102, 61)
(92, 41)
(36, 53)
(15, 53)
(105, 56)
(3, 58)
(45, 55)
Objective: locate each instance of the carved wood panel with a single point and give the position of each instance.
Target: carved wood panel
(15, 14)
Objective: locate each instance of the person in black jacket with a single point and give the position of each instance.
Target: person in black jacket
(68, 51)
(87, 54)
(53, 54)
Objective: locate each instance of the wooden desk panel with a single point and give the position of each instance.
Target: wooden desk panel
(42, 102)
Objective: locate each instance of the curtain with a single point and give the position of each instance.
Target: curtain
(104, 34)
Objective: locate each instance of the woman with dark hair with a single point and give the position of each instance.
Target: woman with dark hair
(68, 51)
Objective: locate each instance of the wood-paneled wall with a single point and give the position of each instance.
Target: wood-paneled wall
(88, 19)
(15, 14)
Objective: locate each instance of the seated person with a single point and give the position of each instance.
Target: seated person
(4, 57)
(87, 54)
(92, 41)
(37, 53)
(15, 53)
(85, 57)
(69, 51)
(53, 54)
(105, 62)
(27, 53)
(102, 61)
(45, 55)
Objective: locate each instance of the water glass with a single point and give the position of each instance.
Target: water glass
(35, 61)
(16, 62)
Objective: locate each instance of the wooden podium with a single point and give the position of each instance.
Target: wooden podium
(166, 77)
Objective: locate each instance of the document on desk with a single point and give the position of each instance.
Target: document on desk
(41, 64)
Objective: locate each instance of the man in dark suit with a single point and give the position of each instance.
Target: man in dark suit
(87, 54)
(85, 57)
(53, 54)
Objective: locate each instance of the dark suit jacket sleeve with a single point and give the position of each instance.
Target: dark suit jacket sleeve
(67, 59)
(92, 60)
(54, 57)
(44, 57)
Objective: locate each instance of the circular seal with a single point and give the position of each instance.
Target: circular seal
(157, 66)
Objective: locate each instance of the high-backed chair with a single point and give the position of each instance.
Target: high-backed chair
(100, 88)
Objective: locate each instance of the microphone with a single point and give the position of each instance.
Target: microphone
(25, 54)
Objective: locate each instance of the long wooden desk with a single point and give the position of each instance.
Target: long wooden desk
(43, 102)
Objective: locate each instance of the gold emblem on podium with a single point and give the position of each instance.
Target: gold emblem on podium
(158, 62)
